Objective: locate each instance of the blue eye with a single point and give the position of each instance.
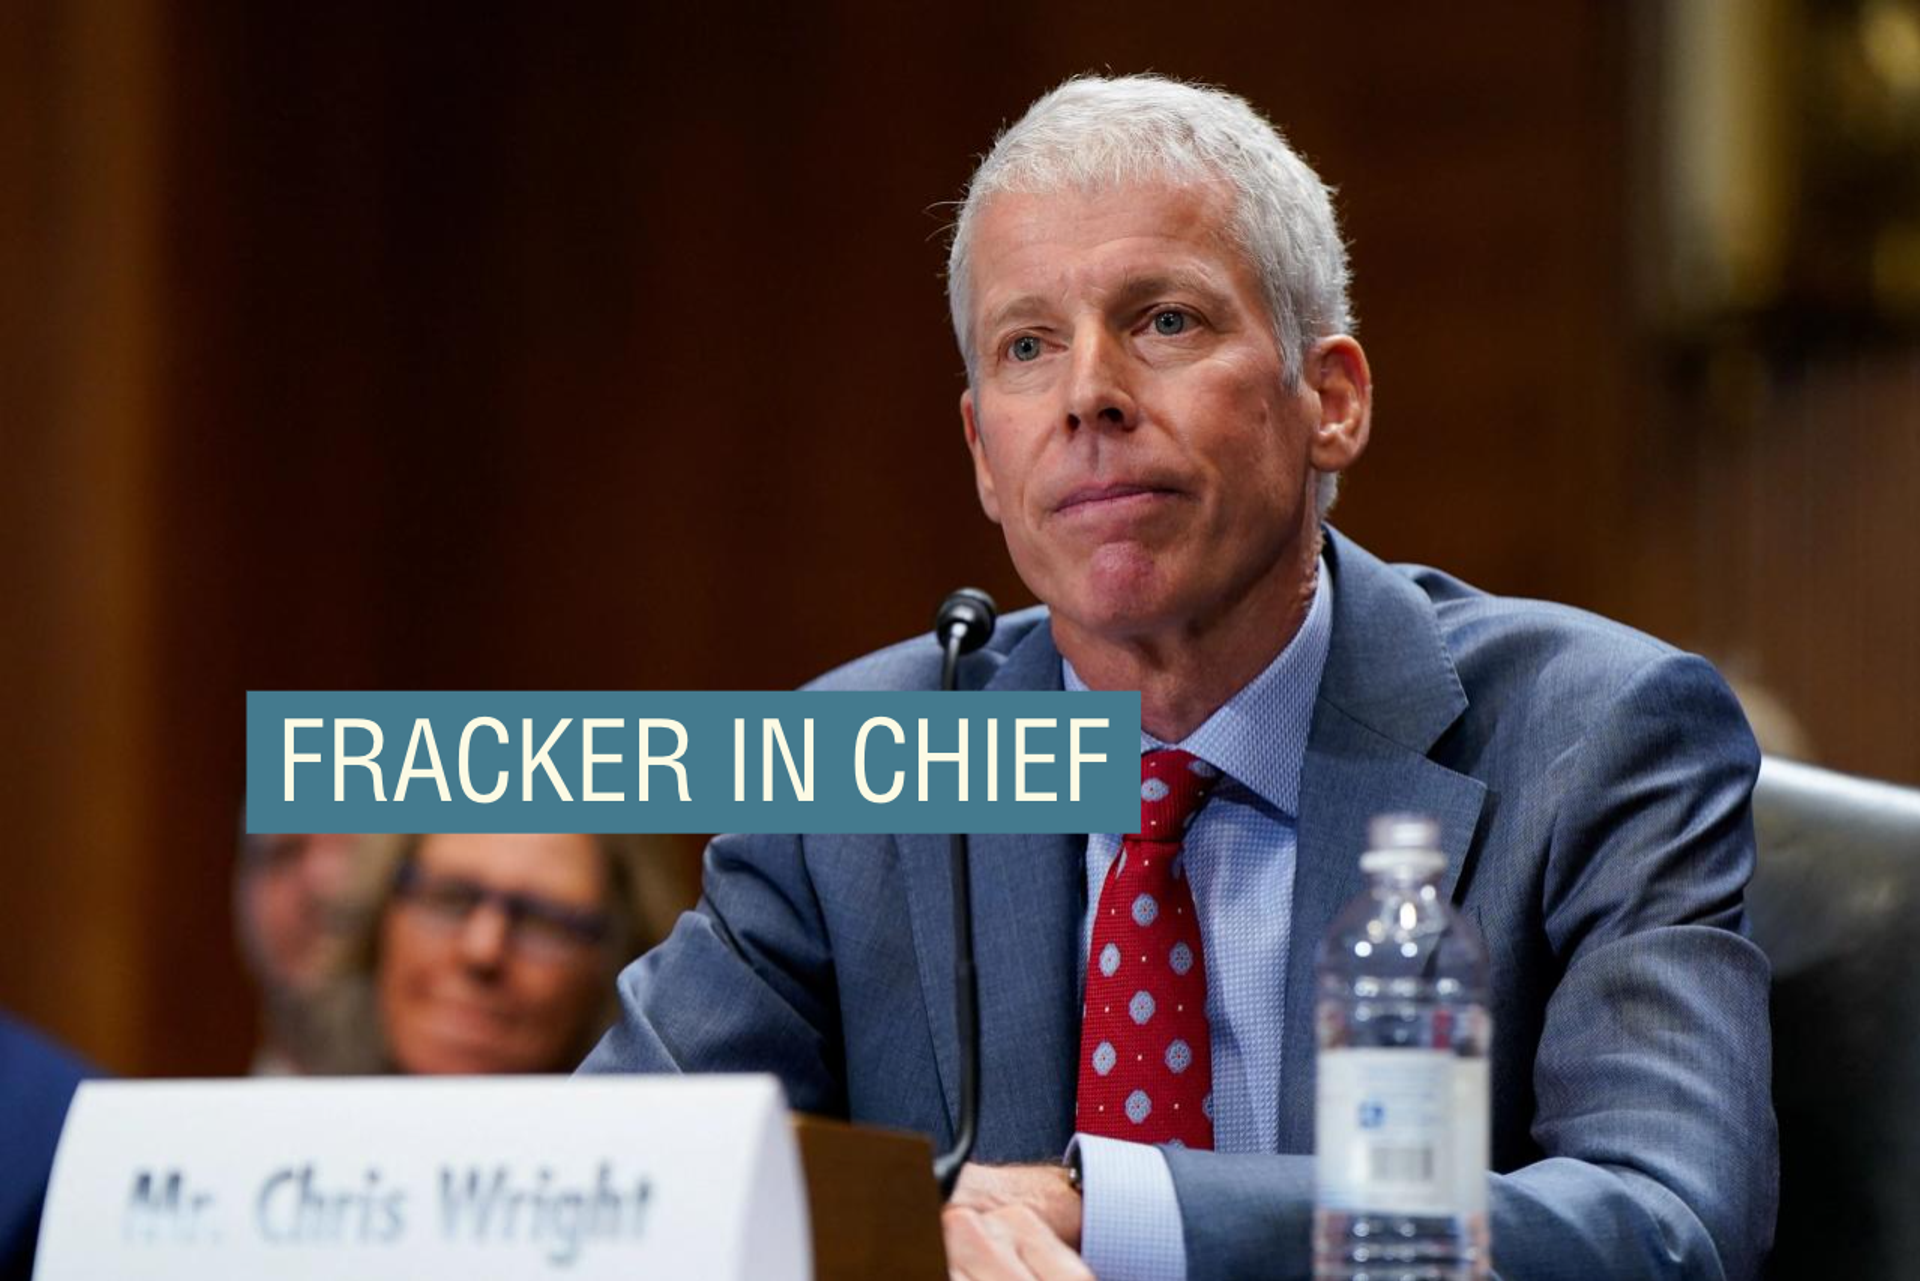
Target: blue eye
(1169, 323)
(1024, 348)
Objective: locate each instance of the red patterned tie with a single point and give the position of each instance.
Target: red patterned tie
(1146, 1063)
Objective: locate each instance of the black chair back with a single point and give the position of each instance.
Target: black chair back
(1835, 902)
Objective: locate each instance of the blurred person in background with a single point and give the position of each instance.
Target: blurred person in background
(37, 1081)
(286, 892)
(493, 954)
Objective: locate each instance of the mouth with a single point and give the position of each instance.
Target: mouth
(1111, 497)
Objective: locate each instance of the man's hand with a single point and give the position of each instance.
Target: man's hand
(1015, 1222)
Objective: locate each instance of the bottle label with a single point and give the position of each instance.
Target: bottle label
(1401, 1131)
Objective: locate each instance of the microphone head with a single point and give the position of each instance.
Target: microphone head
(969, 609)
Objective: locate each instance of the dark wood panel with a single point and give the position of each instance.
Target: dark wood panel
(1788, 546)
(608, 350)
(77, 746)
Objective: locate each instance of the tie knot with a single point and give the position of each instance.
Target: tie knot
(1173, 784)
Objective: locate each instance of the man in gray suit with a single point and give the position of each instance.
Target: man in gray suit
(1149, 290)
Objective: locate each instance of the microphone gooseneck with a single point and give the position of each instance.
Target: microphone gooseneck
(963, 624)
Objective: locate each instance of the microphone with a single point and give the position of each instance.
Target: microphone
(962, 624)
(968, 608)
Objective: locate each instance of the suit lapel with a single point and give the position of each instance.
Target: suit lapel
(1388, 692)
(1027, 909)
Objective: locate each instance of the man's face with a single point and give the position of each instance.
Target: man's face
(1131, 429)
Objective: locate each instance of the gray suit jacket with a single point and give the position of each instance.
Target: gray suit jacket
(1592, 788)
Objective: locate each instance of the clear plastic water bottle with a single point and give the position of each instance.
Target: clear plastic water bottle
(1400, 1126)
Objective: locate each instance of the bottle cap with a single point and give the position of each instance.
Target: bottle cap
(1404, 844)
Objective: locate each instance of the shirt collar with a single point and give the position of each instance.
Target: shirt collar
(1259, 736)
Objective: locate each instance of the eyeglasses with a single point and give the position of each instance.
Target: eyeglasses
(541, 928)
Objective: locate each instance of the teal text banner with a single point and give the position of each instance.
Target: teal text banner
(678, 761)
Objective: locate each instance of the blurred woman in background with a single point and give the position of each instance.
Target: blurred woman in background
(486, 954)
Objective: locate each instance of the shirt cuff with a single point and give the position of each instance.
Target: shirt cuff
(1130, 1226)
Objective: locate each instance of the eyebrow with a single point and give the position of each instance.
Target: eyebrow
(1012, 309)
(1150, 286)
(1135, 288)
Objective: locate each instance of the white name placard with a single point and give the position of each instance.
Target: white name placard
(394, 1179)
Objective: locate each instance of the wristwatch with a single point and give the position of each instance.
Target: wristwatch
(1072, 1163)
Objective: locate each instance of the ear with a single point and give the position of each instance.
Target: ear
(982, 471)
(1336, 370)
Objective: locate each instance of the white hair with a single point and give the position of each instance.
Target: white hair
(1096, 134)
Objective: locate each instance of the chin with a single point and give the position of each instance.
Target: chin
(456, 1057)
(1116, 615)
(1135, 593)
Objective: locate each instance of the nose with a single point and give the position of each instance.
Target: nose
(485, 937)
(1098, 392)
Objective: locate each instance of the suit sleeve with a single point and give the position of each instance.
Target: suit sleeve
(744, 983)
(1653, 1072)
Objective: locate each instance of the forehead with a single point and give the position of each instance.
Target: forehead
(565, 868)
(1060, 245)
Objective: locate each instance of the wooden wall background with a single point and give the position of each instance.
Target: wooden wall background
(429, 346)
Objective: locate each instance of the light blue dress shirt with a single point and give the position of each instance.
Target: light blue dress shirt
(1240, 858)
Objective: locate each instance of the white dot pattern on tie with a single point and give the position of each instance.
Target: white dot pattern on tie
(1143, 1066)
(1239, 859)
